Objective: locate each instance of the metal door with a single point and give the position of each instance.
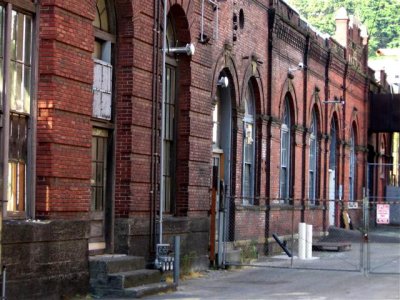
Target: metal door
(332, 210)
(217, 210)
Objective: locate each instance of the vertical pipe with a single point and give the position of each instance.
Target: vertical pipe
(3, 290)
(154, 137)
(202, 21)
(162, 183)
(31, 188)
(6, 122)
(217, 21)
(177, 253)
(6, 105)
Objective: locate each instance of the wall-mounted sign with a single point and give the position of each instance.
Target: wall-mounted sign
(382, 213)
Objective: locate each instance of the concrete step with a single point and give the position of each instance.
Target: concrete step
(150, 289)
(135, 278)
(135, 292)
(102, 265)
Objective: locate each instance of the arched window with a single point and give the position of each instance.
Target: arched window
(170, 122)
(285, 153)
(248, 146)
(332, 149)
(313, 159)
(103, 68)
(352, 173)
(102, 122)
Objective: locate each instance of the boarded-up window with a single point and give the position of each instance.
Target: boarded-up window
(102, 86)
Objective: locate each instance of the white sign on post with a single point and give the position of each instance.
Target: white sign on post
(382, 213)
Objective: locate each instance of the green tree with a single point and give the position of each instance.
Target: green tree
(382, 18)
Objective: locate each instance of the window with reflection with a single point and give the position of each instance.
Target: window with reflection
(313, 155)
(19, 81)
(248, 145)
(285, 153)
(104, 40)
(352, 172)
(170, 123)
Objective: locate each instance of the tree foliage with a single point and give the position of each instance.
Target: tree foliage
(382, 18)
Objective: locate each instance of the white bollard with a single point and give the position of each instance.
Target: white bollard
(309, 235)
(302, 240)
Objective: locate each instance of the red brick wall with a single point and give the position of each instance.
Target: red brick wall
(65, 99)
(64, 107)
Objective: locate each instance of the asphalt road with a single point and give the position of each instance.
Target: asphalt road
(278, 283)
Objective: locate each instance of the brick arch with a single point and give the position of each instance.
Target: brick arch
(335, 118)
(334, 114)
(292, 106)
(318, 113)
(186, 5)
(288, 90)
(227, 64)
(316, 104)
(254, 76)
(354, 124)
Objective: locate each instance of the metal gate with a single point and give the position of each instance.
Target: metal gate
(337, 235)
(383, 219)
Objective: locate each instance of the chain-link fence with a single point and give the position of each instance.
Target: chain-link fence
(382, 216)
(323, 234)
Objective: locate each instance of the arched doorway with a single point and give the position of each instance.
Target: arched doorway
(221, 162)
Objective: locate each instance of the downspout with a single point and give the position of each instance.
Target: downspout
(154, 126)
(327, 139)
(5, 120)
(305, 89)
(343, 179)
(162, 183)
(31, 189)
(271, 20)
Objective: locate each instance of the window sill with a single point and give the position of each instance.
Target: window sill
(12, 215)
(250, 207)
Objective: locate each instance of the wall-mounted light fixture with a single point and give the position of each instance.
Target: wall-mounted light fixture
(300, 66)
(223, 82)
(188, 49)
(335, 100)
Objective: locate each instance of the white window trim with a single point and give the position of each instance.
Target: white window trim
(313, 156)
(249, 119)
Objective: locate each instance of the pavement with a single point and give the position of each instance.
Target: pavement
(281, 283)
(334, 275)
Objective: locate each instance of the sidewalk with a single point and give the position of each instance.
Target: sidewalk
(276, 283)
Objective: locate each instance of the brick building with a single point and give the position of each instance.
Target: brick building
(267, 111)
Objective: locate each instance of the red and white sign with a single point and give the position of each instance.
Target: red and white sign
(382, 213)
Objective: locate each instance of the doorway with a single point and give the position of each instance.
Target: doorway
(221, 166)
(332, 209)
(100, 191)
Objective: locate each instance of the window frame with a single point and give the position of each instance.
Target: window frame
(170, 142)
(313, 159)
(353, 168)
(248, 160)
(26, 8)
(285, 153)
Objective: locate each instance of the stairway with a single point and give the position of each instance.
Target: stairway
(123, 276)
